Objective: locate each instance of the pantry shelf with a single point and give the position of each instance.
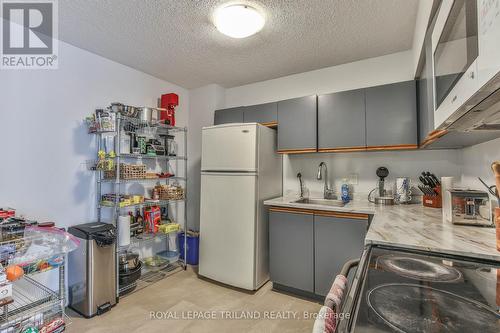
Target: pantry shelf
(124, 160)
(30, 297)
(154, 157)
(149, 277)
(160, 203)
(149, 238)
(142, 180)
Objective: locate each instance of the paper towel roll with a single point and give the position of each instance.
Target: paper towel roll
(446, 185)
(172, 241)
(124, 230)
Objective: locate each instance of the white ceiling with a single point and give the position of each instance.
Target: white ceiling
(176, 41)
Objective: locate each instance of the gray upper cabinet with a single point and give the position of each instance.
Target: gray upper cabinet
(297, 125)
(391, 116)
(291, 254)
(336, 240)
(232, 115)
(342, 121)
(266, 114)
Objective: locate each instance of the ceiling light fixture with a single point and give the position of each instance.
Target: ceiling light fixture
(238, 21)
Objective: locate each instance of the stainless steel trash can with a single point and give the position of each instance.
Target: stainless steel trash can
(92, 269)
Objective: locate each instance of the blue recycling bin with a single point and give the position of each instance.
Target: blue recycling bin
(193, 245)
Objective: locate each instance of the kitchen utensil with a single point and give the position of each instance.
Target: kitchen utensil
(470, 207)
(130, 111)
(148, 114)
(423, 180)
(436, 180)
(117, 107)
(492, 189)
(496, 171)
(128, 261)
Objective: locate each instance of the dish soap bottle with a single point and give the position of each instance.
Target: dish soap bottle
(345, 191)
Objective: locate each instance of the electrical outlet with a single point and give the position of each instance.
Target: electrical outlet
(353, 179)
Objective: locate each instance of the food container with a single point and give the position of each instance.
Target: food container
(156, 263)
(171, 256)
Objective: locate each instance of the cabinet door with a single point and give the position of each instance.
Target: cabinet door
(337, 240)
(291, 249)
(232, 115)
(297, 125)
(265, 114)
(342, 121)
(391, 116)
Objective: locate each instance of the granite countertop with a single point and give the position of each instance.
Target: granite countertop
(413, 226)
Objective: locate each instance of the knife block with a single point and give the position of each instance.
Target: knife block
(433, 201)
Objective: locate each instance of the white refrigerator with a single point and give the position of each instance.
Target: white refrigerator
(239, 170)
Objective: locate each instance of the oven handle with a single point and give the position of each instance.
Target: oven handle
(348, 266)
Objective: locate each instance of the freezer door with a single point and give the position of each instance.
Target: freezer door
(227, 228)
(229, 148)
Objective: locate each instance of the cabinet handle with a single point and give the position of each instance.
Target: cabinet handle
(454, 99)
(471, 75)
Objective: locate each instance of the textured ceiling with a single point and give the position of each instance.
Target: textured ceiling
(176, 41)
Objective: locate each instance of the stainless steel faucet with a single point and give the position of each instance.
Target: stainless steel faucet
(299, 176)
(328, 193)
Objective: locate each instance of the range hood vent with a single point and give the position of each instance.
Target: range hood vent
(485, 115)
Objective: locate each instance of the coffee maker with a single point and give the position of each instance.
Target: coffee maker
(381, 196)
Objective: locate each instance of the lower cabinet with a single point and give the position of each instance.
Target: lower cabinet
(307, 248)
(336, 240)
(291, 254)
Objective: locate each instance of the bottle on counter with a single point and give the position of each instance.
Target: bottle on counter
(345, 191)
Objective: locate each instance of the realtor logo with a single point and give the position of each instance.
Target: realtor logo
(29, 34)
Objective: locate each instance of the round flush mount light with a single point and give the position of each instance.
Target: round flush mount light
(238, 21)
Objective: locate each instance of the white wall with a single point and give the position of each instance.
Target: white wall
(363, 165)
(476, 162)
(360, 74)
(202, 103)
(44, 143)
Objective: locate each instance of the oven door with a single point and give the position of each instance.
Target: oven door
(350, 303)
(455, 51)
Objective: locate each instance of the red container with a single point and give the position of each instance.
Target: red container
(168, 102)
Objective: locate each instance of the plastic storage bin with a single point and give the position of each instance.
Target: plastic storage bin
(193, 243)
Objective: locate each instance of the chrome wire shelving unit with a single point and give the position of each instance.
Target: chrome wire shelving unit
(32, 303)
(127, 125)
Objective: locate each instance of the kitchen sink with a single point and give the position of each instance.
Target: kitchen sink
(324, 202)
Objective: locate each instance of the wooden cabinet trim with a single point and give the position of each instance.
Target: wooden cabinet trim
(348, 215)
(433, 136)
(271, 124)
(396, 147)
(291, 210)
(325, 213)
(297, 151)
(341, 149)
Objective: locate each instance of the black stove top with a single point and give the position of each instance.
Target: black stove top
(404, 291)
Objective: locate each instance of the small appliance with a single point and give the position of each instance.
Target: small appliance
(382, 197)
(470, 207)
(168, 104)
